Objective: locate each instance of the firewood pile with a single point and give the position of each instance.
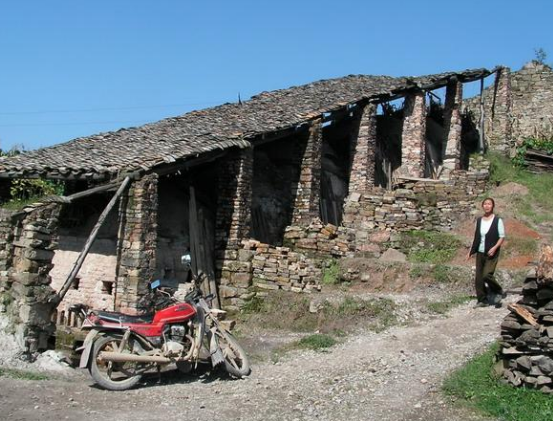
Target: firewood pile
(537, 161)
(527, 332)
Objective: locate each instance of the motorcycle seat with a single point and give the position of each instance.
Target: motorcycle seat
(112, 316)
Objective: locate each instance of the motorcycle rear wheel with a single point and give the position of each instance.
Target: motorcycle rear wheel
(114, 375)
(237, 363)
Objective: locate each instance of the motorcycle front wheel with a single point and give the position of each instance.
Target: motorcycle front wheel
(114, 375)
(236, 360)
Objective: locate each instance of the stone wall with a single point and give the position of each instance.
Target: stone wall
(532, 101)
(27, 243)
(518, 105)
(413, 136)
(260, 268)
(137, 242)
(308, 189)
(426, 204)
(363, 151)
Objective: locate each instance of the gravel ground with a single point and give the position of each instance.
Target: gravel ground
(391, 375)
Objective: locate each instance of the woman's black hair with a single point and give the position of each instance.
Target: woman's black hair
(491, 200)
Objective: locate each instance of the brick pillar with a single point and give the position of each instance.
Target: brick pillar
(30, 246)
(233, 223)
(413, 136)
(501, 120)
(363, 150)
(137, 242)
(451, 150)
(306, 206)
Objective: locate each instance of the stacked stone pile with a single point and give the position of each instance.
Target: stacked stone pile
(260, 267)
(527, 332)
(321, 238)
(280, 268)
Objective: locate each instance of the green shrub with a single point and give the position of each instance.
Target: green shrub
(22, 374)
(253, 305)
(429, 246)
(331, 272)
(442, 307)
(542, 145)
(317, 341)
(478, 387)
(537, 205)
(24, 191)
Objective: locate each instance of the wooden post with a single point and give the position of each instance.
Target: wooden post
(481, 145)
(80, 260)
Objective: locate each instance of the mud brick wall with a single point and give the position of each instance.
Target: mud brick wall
(25, 281)
(96, 278)
(527, 348)
(137, 242)
(260, 268)
(427, 204)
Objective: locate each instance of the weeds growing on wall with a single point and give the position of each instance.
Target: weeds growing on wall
(24, 191)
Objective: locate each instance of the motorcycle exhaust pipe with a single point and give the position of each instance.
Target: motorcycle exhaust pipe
(120, 357)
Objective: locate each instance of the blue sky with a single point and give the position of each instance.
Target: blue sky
(75, 68)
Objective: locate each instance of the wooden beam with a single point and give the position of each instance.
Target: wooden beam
(80, 260)
(481, 145)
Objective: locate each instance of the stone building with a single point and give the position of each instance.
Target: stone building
(257, 191)
(517, 106)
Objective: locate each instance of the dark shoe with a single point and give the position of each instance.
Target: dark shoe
(481, 304)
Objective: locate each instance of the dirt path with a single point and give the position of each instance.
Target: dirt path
(393, 375)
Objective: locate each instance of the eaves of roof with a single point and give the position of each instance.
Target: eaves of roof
(186, 137)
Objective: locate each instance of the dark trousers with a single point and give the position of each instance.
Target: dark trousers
(484, 280)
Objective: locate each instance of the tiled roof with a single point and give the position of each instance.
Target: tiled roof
(221, 127)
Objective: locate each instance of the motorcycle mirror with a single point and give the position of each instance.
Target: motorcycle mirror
(155, 284)
(186, 260)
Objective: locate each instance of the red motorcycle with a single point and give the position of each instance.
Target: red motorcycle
(120, 348)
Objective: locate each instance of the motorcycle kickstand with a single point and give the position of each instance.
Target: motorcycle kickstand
(158, 369)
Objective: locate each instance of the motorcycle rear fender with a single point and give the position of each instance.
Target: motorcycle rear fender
(87, 347)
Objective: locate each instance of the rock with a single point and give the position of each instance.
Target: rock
(546, 365)
(393, 255)
(544, 380)
(524, 363)
(380, 237)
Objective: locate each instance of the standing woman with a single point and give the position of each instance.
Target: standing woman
(488, 238)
